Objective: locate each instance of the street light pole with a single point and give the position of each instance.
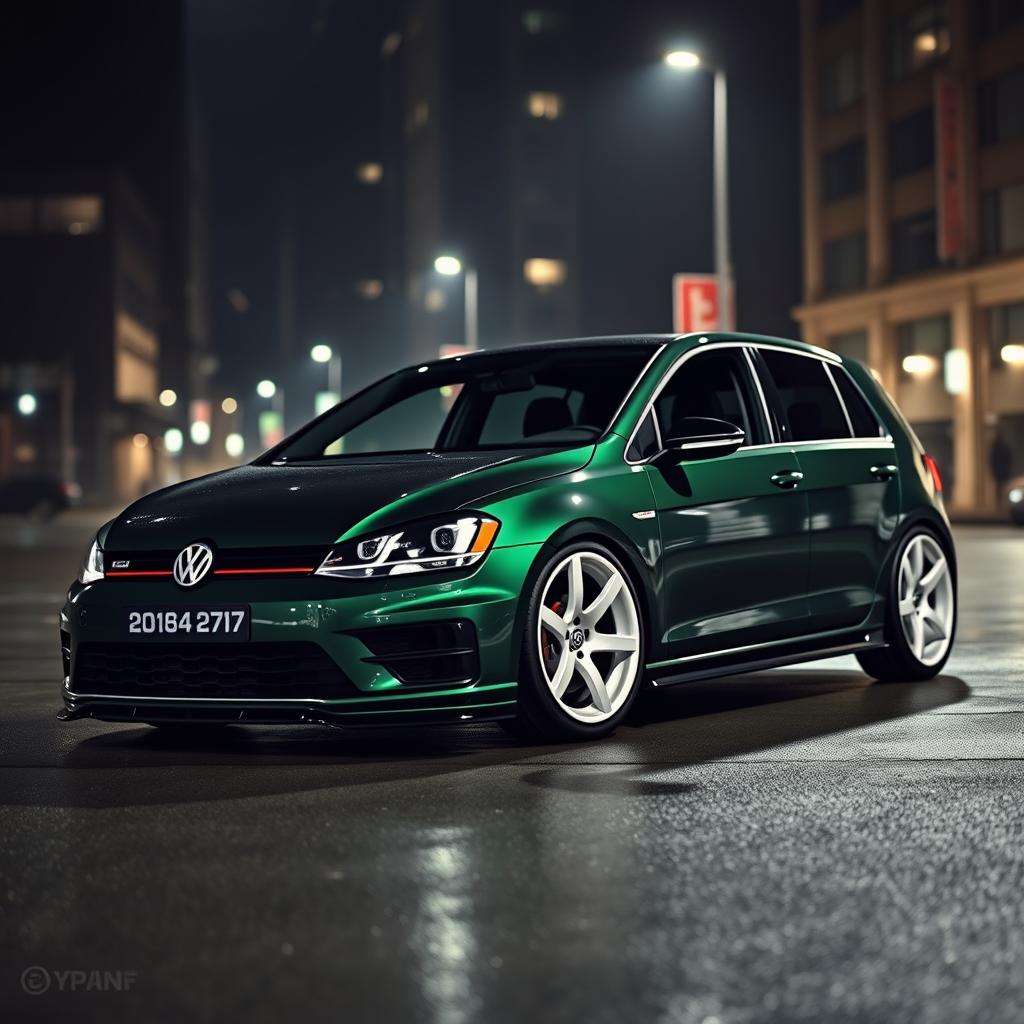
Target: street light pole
(451, 266)
(723, 262)
(686, 60)
(472, 334)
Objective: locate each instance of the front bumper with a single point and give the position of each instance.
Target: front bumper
(294, 614)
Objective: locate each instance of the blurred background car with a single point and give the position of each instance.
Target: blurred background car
(37, 495)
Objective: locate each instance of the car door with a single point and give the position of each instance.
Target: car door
(850, 479)
(733, 527)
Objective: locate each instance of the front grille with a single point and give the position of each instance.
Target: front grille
(258, 671)
(430, 654)
(226, 562)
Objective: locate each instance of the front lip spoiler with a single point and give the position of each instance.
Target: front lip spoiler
(273, 712)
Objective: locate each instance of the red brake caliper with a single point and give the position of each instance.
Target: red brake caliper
(545, 642)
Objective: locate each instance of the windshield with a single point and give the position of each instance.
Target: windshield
(548, 398)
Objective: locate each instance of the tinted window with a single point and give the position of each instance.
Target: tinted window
(865, 423)
(807, 396)
(715, 384)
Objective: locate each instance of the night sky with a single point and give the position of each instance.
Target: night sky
(289, 94)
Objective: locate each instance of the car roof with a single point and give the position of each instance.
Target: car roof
(651, 341)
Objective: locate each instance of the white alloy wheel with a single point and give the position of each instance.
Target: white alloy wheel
(588, 637)
(926, 599)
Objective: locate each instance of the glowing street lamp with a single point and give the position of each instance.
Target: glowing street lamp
(266, 389)
(27, 403)
(682, 60)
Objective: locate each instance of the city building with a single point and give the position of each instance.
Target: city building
(103, 314)
(80, 364)
(481, 163)
(913, 176)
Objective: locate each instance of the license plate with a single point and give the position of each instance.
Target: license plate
(222, 622)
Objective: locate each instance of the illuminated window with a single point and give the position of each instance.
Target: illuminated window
(544, 273)
(15, 215)
(369, 174)
(136, 352)
(72, 215)
(370, 288)
(546, 106)
(919, 38)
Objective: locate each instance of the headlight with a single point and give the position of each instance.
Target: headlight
(1017, 495)
(92, 564)
(431, 545)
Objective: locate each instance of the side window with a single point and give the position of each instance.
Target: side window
(865, 422)
(808, 398)
(715, 384)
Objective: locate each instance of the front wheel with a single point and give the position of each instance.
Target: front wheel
(920, 614)
(581, 662)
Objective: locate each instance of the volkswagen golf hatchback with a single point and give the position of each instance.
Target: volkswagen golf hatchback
(528, 535)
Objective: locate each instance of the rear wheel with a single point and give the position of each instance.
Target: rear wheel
(582, 656)
(920, 614)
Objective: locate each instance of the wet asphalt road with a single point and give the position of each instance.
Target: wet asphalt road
(798, 845)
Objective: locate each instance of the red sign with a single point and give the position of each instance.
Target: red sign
(695, 305)
(949, 167)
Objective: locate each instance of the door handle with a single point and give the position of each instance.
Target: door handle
(884, 472)
(787, 478)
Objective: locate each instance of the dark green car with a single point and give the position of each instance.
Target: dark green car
(528, 535)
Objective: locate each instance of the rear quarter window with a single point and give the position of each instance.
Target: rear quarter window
(862, 418)
(807, 395)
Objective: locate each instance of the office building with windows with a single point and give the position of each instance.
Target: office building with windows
(480, 162)
(913, 179)
(103, 317)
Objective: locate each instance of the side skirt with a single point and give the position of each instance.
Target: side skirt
(783, 653)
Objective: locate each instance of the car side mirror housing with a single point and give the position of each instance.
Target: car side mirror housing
(702, 437)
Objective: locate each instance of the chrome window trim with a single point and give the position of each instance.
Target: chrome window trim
(839, 398)
(821, 354)
(882, 432)
(760, 390)
(629, 394)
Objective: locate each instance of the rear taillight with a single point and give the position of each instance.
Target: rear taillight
(933, 467)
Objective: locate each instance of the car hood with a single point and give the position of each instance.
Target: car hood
(306, 504)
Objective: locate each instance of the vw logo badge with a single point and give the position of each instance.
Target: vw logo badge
(576, 639)
(192, 564)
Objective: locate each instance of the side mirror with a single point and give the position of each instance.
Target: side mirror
(701, 437)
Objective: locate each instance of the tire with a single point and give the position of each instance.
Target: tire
(579, 673)
(920, 617)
